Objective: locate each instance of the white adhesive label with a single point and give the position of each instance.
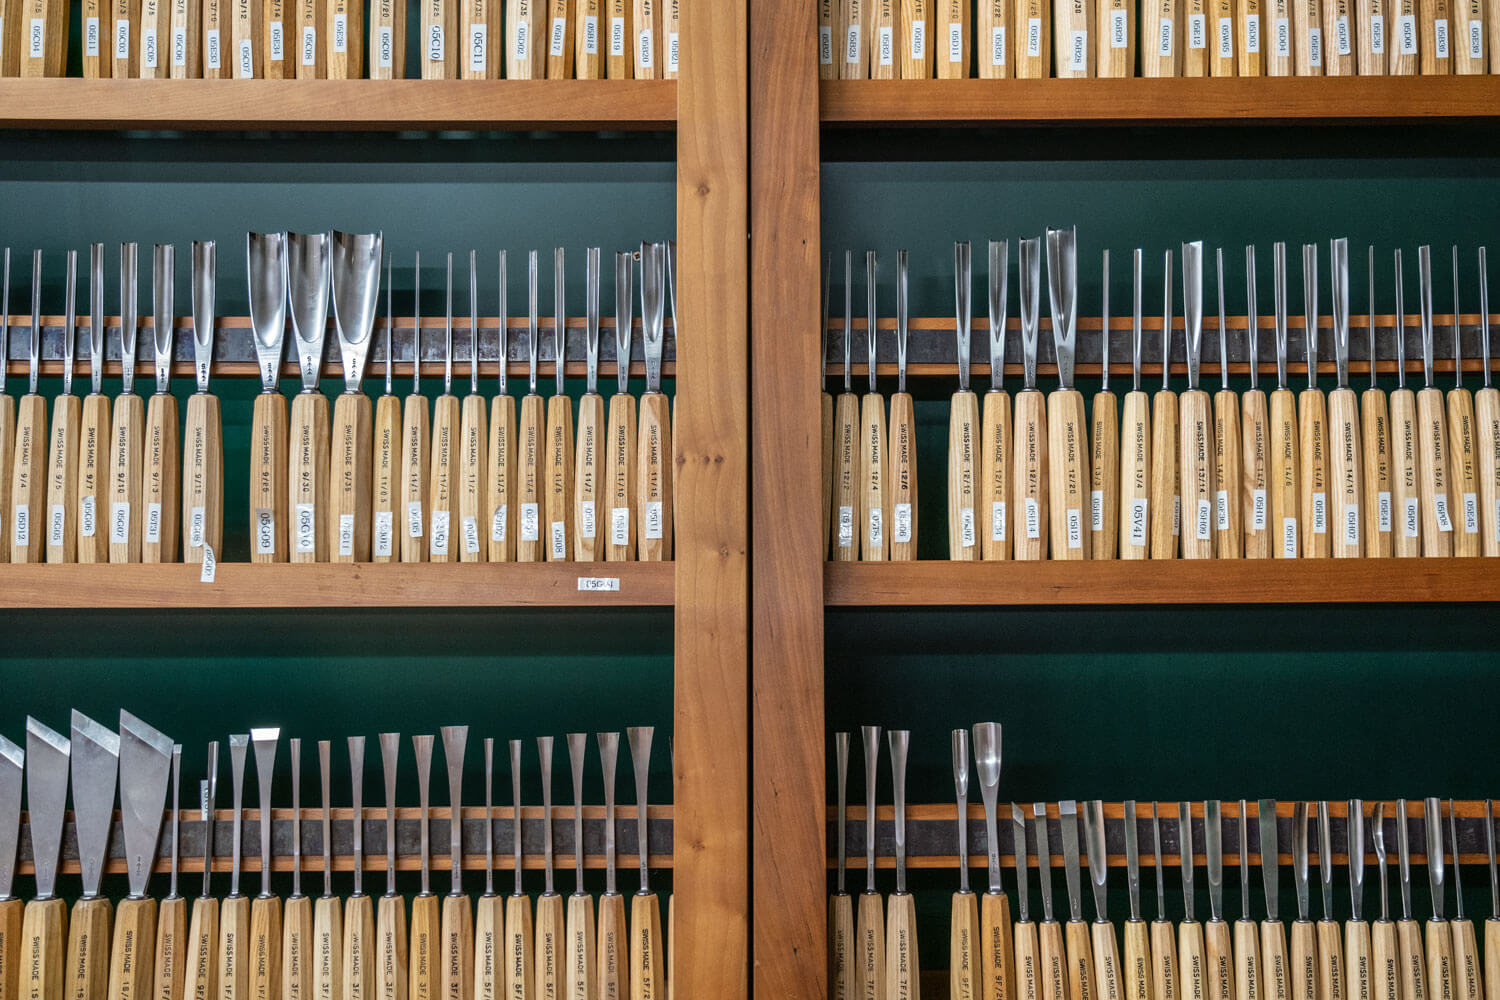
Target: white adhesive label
(438, 543)
(341, 37)
(1164, 40)
(825, 44)
(647, 48)
(531, 522)
(1078, 49)
(346, 534)
(887, 45)
(1377, 34)
(997, 46)
(309, 45)
(1282, 38)
(1315, 46)
(1226, 38)
(591, 35)
(211, 53)
(119, 522)
(1033, 517)
(1221, 510)
(1383, 511)
(586, 526)
(619, 526)
(471, 536)
(436, 44)
(523, 40)
(1258, 510)
(497, 523)
(1252, 33)
(1440, 505)
(478, 48)
(966, 532)
(1320, 513)
(36, 37)
(1176, 514)
(1204, 521)
(1289, 538)
(86, 525)
(56, 523)
(148, 48)
(1138, 522)
(1197, 31)
(1351, 525)
(247, 60)
(23, 525)
(1341, 37)
(383, 537)
(1033, 37)
(653, 525)
(1410, 523)
(901, 533)
(265, 531)
(1119, 33)
(210, 566)
(1471, 514)
(559, 540)
(90, 35)
(598, 584)
(673, 64)
(414, 519)
(197, 519)
(998, 520)
(1440, 35)
(179, 46)
(918, 38)
(846, 526)
(1096, 510)
(851, 45)
(384, 43)
(122, 39)
(955, 42)
(1476, 40)
(278, 41)
(153, 523)
(875, 536)
(305, 520)
(1075, 528)
(617, 36)
(1406, 31)
(558, 41)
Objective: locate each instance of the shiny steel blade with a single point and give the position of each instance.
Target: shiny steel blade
(899, 741)
(872, 315)
(1132, 860)
(264, 741)
(390, 758)
(1062, 295)
(578, 748)
(1067, 815)
(239, 747)
(1325, 859)
(625, 319)
(559, 317)
(1043, 857)
(1223, 323)
(609, 754)
(474, 323)
(1300, 872)
(1370, 330)
(903, 318)
(503, 351)
(1270, 858)
(489, 816)
(356, 293)
(422, 749)
(1161, 884)
(871, 738)
(129, 259)
(1104, 324)
(70, 323)
(1403, 849)
(1278, 276)
(1310, 309)
(671, 250)
(208, 800)
(1244, 861)
(96, 317)
(309, 260)
(325, 783)
(1484, 314)
(1458, 354)
(390, 321)
(145, 769)
(205, 284)
(653, 296)
(1424, 291)
(12, 769)
(1213, 850)
(1338, 277)
(544, 751)
(1432, 817)
(1377, 827)
(163, 313)
(357, 803)
(987, 770)
(1252, 318)
(515, 801)
(455, 739)
(1185, 854)
(95, 763)
(448, 332)
(1093, 823)
(1029, 274)
(848, 314)
(294, 753)
(1489, 847)
(999, 306)
(1137, 303)
(961, 795)
(35, 352)
(591, 318)
(1400, 324)
(1192, 306)
(416, 324)
(1166, 322)
(640, 760)
(963, 316)
(47, 756)
(1023, 862)
(267, 256)
(841, 765)
(534, 338)
(1458, 882)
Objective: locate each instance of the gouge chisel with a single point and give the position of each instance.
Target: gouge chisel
(1487, 423)
(1438, 935)
(1286, 463)
(296, 925)
(501, 456)
(267, 257)
(1164, 980)
(582, 971)
(327, 959)
(846, 470)
(1432, 424)
(963, 920)
(1027, 980)
(870, 928)
(1304, 980)
(1275, 976)
(619, 443)
(530, 444)
(1345, 460)
(1360, 983)
(95, 764)
(390, 916)
(996, 968)
(93, 431)
(518, 977)
(551, 925)
(1106, 948)
(1067, 428)
(443, 462)
(233, 971)
(426, 926)
(1229, 525)
(1137, 969)
(265, 910)
(1375, 433)
(1406, 463)
(171, 916)
(1029, 465)
(1247, 967)
(1386, 971)
(1470, 985)
(1190, 946)
(1463, 442)
(385, 489)
(355, 293)
(145, 769)
(457, 978)
(1408, 935)
(1104, 458)
(654, 461)
(1051, 950)
(358, 973)
(902, 960)
(62, 448)
(203, 928)
(902, 442)
(874, 462)
(12, 766)
(1135, 440)
(646, 968)
(415, 456)
(1332, 972)
(44, 923)
(1491, 923)
(1312, 422)
(559, 463)
(160, 470)
(963, 419)
(1255, 431)
(1197, 471)
(1218, 949)
(840, 905)
(489, 909)
(1080, 953)
(614, 948)
(203, 436)
(28, 486)
(1166, 485)
(995, 427)
(587, 454)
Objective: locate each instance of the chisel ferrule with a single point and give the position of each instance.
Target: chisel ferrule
(1062, 289)
(1029, 274)
(266, 254)
(1192, 307)
(872, 316)
(390, 756)
(1252, 318)
(591, 320)
(205, 280)
(903, 319)
(128, 316)
(163, 297)
(1338, 274)
(70, 323)
(999, 306)
(624, 320)
(963, 278)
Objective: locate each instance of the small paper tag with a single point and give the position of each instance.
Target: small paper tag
(590, 27)
(876, 537)
(1197, 31)
(383, 538)
(598, 584)
(1440, 503)
(997, 520)
(305, 521)
(1075, 528)
(1119, 33)
(1226, 38)
(37, 38)
(647, 48)
(211, 49)
(887, 41)
(559, 540)
(1406, 30)
(1138, 521)
(1204, 520)
(1351, 525)
(122, 39)
(1383, 511)
(1033, 517)
(1410, 524)
(1440, 37)
(846, 526)
(653, 527)
(1078, 50)
(901, 535)
(1476, 40)
(436, 50)
(523, 40)
(153, 523)
(1283, 38)
(90, 35)
(384, 43)
(278, 42)
(1096, 510)
(1221, 510)
(1033, 37)
(619, 526)
(56, 524)
(265, 531)
(1252, 33)
(586, 526)
(438, 544)
(86, 517)
(955, 42)
(247, 60)
(1496, 515)
(1471, 514)
(1315, 46)
(1258, 510)
(1377, 34)
(179, 46)
(531, 522)
(673, 64)
(23, 525)
(414, 519)
(1289, 538)
(1341, 36)
(309, 45)
(210, 565)
(997, 46)
(341, 37)
(346, 534)
(918, 38)
(471, 536)
(1176, 514)
(497, 523)
(1320, 513)
(558, 38)
(119, 522)
(617, 36)
(825, 44)
(1164, 40)
(966, 535)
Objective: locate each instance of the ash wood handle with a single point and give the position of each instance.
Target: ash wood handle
(1053, 955)
(479, 27)
(826, 439)
(1275, 975)
(297, 949)
(424, 954)
(1331, 969)
(246, 56)
(559, 518)
(654, 478)
(1385, 958)
(1464, 484)
(327, 959)
(1285, 477)
(1310, 46)
(619, 62)
(1068, 474)
(1375, 439)
(160, 494)
(588, 48)
(620, 472)
(614, 949)
(870, 940)
(62, 481)
(1229, 521)
(1161, 39)
(1432, 449)
(1081, 982)
(582, 970)
(1164, 978)
(885, 39)
(551, 937)
(307, 479)
(86, 971)
(310, 50)
(1195, 32)
(646, 979)
(902, 961)
(130, 972)
(1135, 478)
(123, 38)
(1487, 425)
(963, 474)
(874, 532)
(473, 504)
(385, 481)
(1166, 485)
(518, 951)
(28, 484)
(995, 444)
(171, 936)
(1073, 39)
(1406, 475)
(201, 965)
(1219, 960)
(840, 946)
(44, 934)
(646, 18)
(560, 40)
(275, 30)
(1441, 980)
(11, 917)
(125, 459)
(1312, 423)
(214, 23)
(588, 541)
(525, 43)
(1190, 959)
(350, 480)
(996, 954)
(1403, 43)
(1137, 960)
(93, 475)
(456, 981)
(97, 23)
(1252, 19)
(388, 976)
(1436, 45)
(1340, 45)
(442, 481)
(233, 971)
(1106, 961)
(1346, 475)
(1303, 977)
(268, 485)
(1027, 955)
(489, 947)
(915, 41)
(963, 927)
(994, 41)
(500, 463)
(950, 42)
(1491, 959)
(844, 531)
(1413, 960)
(415, 458)
(202, 478)
(265, 946)
(1116, 44)
(387, 41)
(1255, 515)
(1030, 484)
(1224, 44)
(1033, 39)
(1194, 458)
(1370, 62)
(901, 483)
(1104, 477)
(439, 46)
(1358, 972)
(1247, 967)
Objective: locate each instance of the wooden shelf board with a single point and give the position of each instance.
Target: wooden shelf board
(339, 105)
(1176, 101)
(939, 583)
(334, 585)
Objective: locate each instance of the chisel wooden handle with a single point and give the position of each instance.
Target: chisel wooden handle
(268, 485)
(1406, 475)
(1137, 985)
(1346, 475)
(914, 40)
(439, 47)
(559, 519)
(1307, 25)
(1385, 962)
(424, 955)
(875, 501)
(124, 479)
(202, 478)
(963, 932)
(963, 471)
(840, 945)
(1218, 954)
(619, 63)
(327, 959)
(1164, 978)
(581, 972)
(275, 31)
(308, 478)
(996, 964)
(1190, 960)
(654, 478)
(86, 970)
(1442, 983)
(827, 448)
(885, 39)
(130, 971)
(847, 497)
(620, 473)
(171, 936)
(234, 951)
(1030, 477)
(902, 963)
(1339, 45)
(588, 545)
(473, 502)
(614, 950)
(1161, 39)
(869, 966)
(1437, 519)
(1081, 982)
(901, 479)
(1229, 522)
(1312, 422)
(1197, 475)
(588, 51)
(1491, 959)
(1464, 489)
(489, 947)
(499, 494)
(529, 484)
(412, 514)
(1331, 974)
(1053, 956)
(1224, 44)
(518, 953)
(1359, 973)
(351, 479)
(1135, 479)
(1027, 950)
(1073, 39)
(44, 934)
(28, 486)
(1033, 39)
(994, 475)
(1375, 435)
(993, 39)
(550, 978)
(265, 946)
(1107, 984)
(11, 911)
(646, 20)
(297, 956)
(160, 495)
(62, 480)
(1275, 974)
(1247, 967)
(93, 475)
(387, 979)
(560, 40)
(1436, 45)
(1068, 469)
(1285, 480)
(456, 981)
(1166, 489)
(1303, 978)
(1255, 470)
(442, 480)
(1487, 423)
(1195, 32)
(386, 484)
(1413, 960)
(1104, 477)
(202, 966)
(951, 40)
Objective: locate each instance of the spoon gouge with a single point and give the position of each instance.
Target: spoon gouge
(619, 441)
(551, 927)
(265, 910)
(44, 923)
(874, 543)
(1438, 935)
(1164, 980)
(12, 765)
(1076, 934)
(1254, 431)
(1408, 936)
(297, 959)
(29, 471)
(1304, 978)
(1106, 948)
(1027, 978)
(654, 431)
(518, 957)
(582, 969)
(1190, 945)
(559, 429)
(94, 423)
(1137, 969)
(1437, 525)
(996, 967)
(385, 489)
(203, 437)
(457, 978)
(1286, 465)
(870, 928)
(1029, 464)
(1312, 422)
(1228, 523)
(267, 256)
(1247, 967)
(390, 981)
(1359, 983)
(145, 769)
(1487, 422)
(425, 918)
(1218, 950)
(1491, 923)
(995, 429)
(1166, 484)
(1464, 443)
(159, 486)
(62, 449)
(533, 426)
(1275, 976)
(1375, 434)
(1051, 951)
(614, 948)
(1345, 472)
(489, 909)
(1135, 440)
(1465, 945)
(963, 417)
(328, 918)
(963, 921)
(902, 962)
(414, 439)
(902, 443)
(1197, 472)
(95, 763)
(840, 905)
(1385, 955)
(1406, 471)
(846, 453)
(8, 404)
(203, 927)
(1067, 429)
(355, 293)
(501, 456)
(1331, 968)
(171, 918)
(645, 913)
(443, 469)
(1104, 462)
(586, 464)
(233, 971)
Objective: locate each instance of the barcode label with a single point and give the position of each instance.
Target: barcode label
(1383, 511)
(531, 523)
(497, 523)
(1221, 509)
(1119, 31)
(56, 523)
(478, 48)
(653, 525)
(1440, 503)
(887, 46)
(1320, 513)
(997, 46)
(875, 535)
(346, 534)
(966, 534)
(1138, 522)
(559, 540)
(119, 522)
(901, 534)
(1096, 510)
(1283, 38)
(1075, 528)
(619, 526)
(471, 536)
(1258, 510)
(1471, 514)
(153, 523)
(383, 539)
(1197, 31)
(998, 520)
(1406, 30)
(1289, 538)
(1226, 38)
(306, 517)
(414, 519)
(617, 36)
(265, 531)
(1033, 37)
(90, 35)
(438, 544)
(1204, 521)
(1078, 48)
(1351, 525)
(1410, 525)
(1033, 517)
(86, 517)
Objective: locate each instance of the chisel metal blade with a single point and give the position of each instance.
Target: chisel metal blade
(95, 764)
(12, 767)
(1299, 859)
(1213, 848)
(1357, 858)
(1185, 851)
(1093, 823)
(1132, 860)
(1018, 847)
(1432, 817)
(47, 755)
(145, 770)
(1067, 814)
(1270, 861)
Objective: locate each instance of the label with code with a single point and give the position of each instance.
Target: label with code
(1138, 522)
(1075, 528)
(56, 523)
(23, 525)
(1119, 34)
(966, 535)
(86, 525)
(197, 521)
(438, 544)
(153, 523)
(619, 526)
(383, 537)
(471, 536)
(1096, 510)
(414, 519)
(1204, 520)
(901, 534)
(846, 526)
(1383, 511)
(497, 523)
(1320, 513)
(1440, 505)
(1221, 510)
(1033, 516)
(531, 522)
(305, 521)
(119, 522)
(653, 518)
(997, 46)
(1351, 525)
(1289, 538)
(346, 534)
(998, 520)
(1410, 522)
(1258, 510)
(1471, 514)
(1197, 31)
(559, 540)
(876, 537)
(265, 531)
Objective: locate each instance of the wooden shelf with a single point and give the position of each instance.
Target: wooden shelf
(335, 585)
(1178, 101)
(935, 583)
(340, 105)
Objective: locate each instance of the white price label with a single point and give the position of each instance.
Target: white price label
(598, 584)
(436, 50)
(531, 522)
(1282, 38)
(90, 35)
(1440, 505)
(1410, 521)
(1471, 514)
(56, 524)
(153, 523)
(179, 46)
(955, 42)
(1440, 36)
(414, 519)
(278, 41)
(673, 63)
(619, 526)
(1221, 510)
(384, 45)
(1476, 40)
(122, 39)
(265, 531)
(1406, 33)
(874, 529)
(478, 48)
(1320, 513)
(341, 37)
(86, 526)
(438, 543)
(23, 525)
(1138, 521)
(825, 44)
(998, 520)
(309, 45)
(471, 536)
(851, 45)
(1377, 34)
(966, 535)
(346, 534)
(1033, 37)
(383, 537)
(559, 540)
(586, 527)
(887, 46)
(646, 46)
(1176, 514)
(846, 526)
(1289, 538)
(148, 48)
(305, 519)
(119, 522)
(1341, 36)
(590, 35)
(1315, 46)
(1197, 31)
(523, 40)
(1075, 528)
(617, 36)
(210, 565)
(1119, 29)
(247, 60)
(1226, 38)
(918, 38)
(901, 535)
(1383, 511)
(498, 521)
(1351, 525)
(557, 42)
(1096, 510)
(197, 519)
(653, 526)
(1078, 50)
(211, 48)
(37, 37)
(997, 46)
(1164, 39)
(1258, 510)
(1204, 521)
(1032, 514)
(1252, 33)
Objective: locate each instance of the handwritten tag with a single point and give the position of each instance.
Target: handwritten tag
(210, 565)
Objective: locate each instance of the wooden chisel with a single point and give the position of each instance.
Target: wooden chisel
(1487, 423)
(159, 480)
(1217, 944)
(312, 60)
(559, 461)
(1491, 923)
(124, 41)
(1029, 483)
(1432, 426)
(1406, 442)
(1197, 472)
(1195, 37)
(1104, 463)
(526, 45)
(869, 965)
(913, 26)
(529, 547)
(1345, 465)
(265, 911)
(385, 487)
(1051, 953)
(62, 449)
(582, 971)
(1190, 949)
(1375, 435)
(1138, 963)
(1435, 57)
(620, 438)
(1286, 471)
(426, 923)
(387, 40)
(212, 21)
(560, 39)
(1386, 968)
(171, 918)
(854, 43)
(203, 438)
(874, 484)
(586, 456)
(355, 291)
(995, 440)
(1247, 967)
(201, 963)
(1438, 934)
(646, 18)
(327, 959)
(646, 969)
(439, 59)
(296, 928)
(127, 429)
(28, 485)
(902, 962)
(93, 430)
(1361, 976)
(551, 923)
(996, 975)
(1229, 523)
(963, 418)
(1080, 955)
(993, 41)
(1254, 432)
(518, 955)
(479, 23)
(1275, 978)
(12, 766)
(233, 970)
(964, 973)
(414, 439)
(1073, 39)
(1160, 45)
(1026, 978)
(442, 479)
(1307, 26)
(588, 54)
(1332, 974)
(1408, 934)
(840, 904)
(390, 981)
(1404, 59)
(1107, 984)
(1251, 40)
(1165, 506)
(267, 253)
(1371, 37)
(1135, 444)
(489, 909)
(654, 462)
(1469, 984)
(457, 978)
(145, 769)
(94, 761)
(44, 930)
(902, 441)
(500, 457)
(619, 62)
(1303, 978)
(1339, 23)
(951, 40)
(1312, 423)
(614, 946)
(246, 40)
(1067, 427)
(1463, 442)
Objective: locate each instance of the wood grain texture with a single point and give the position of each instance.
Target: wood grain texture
(307, 479)
(588, 54)
(1360, 973)
(519, 979)
(1331, 970)
(875, 501)
(1224, 32)
(841, 950)
(296, 949)
(1466, 961)
(44, 935)
(500, 490)
(264, 951)
(1138, 961)
(326, 960)
(442, 481)
(1247, 968)
(351, 478)
(412, 510)
(1349, 520)
(1027, 955)
(1251, 37)
(1194, 457)
(1341, 45)
(123, 38)
(1314, 500)
(647, 973)
(1033, 46)
(963, 937)
(201, 964)
(96, 34)
(93, 475)
(1375, 448)
(646, 18)
(11, 916)
(456, 980)
(885, 39)
(997, 967)
(268, 478)
(423, 954)
(214, 39)
(1413, 960)
(160, 492)
(1104, 476)
(826, 441)
(61, 517)
(28, 482)
(951, 39)
(1432, 450)
(1463, 489)
(1218, 961)
(1074, 39)
(1135, 477)
(1031, 486)
(855, 45)
(125, 457)
(1166, 484)
(1302, 963)
(1229, 519)
(438, 52)
(202, 478)
(1106, 958)
(1491, 959)
(613, 960)
(1307, 37)
(309, 42)
(1372, 32)
(1191, 959)
(387, 975)
(1435, 34)
(45, 37)
(489, 947)
(1438, 940)
(588, 540)
(234, 949)
(581, 961)
(1052, 959)
(963, 475)
(1255, 467)
(1406, 475)
(870, 964)
(86, 968)
(246, 58)
(277, 24)
(385, 482)
(130, 970)
(654, 476)
(482, 40)
(902, 955)
(995, 444)
(1116, 21)
(902, 479)
(1161, 38)
(1275, 973)
(1195, 37)
(994, 40)
(1487, 428)
(1385, 962)
(168, 971)
(1164, 978)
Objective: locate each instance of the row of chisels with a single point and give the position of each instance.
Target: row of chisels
(1027, 39)
(445, 480)
(1229, 475)
(326, 39)
(992, 957)
(454, 946)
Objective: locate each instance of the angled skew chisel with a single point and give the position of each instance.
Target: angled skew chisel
(1229, 524)
(1275, 976)
(1135, 440)
(1029, 464)
(327, 957)
(869, 931)
(28, 486)
(1166, 482)
(1491, 923)
(385, 486)
(44, 922)
(1464, 443)
(1190, 958)
(171, 916)
(902, 958)
(12, 765)
(825, 398)
(1197, 471)
(1051, 953)
(1067, 428)
(145, 771)
(389, 977)
(355, 293)
(442, 479)
(840, 904)
(1375, 434)
(1217, 945)
(1406, 442)
(995, 427)
(266, 254)
(1080, 955)
(1345, 449)
(551, 922)
(873, 459)
(1386, 971)
(232, 971)
(518, 957)
(201, 964)
(93, 429)
(1108, 985)
(846, 454)
(1437, 935)
(614, 948)
(159, 478)
(963, 420)
(1247, 967)
(1487, 422)
(582, 969)
(414, 440)
(1408, 933)
(1027, 978)
(457, 978)
(500, 458)
(296, 927)
(619, 439)
(1137, 967)
(62, 448)
(529, 444)
(1469, 985)
(901, 444)
(265, 909)
(489, 909)
(1332, 972)
(996, 966)
(1254, 431)
(1303, 978)
(95, 763)
(425, 917)
(647, 971)
(588, 452)
(203, 435)
(654, 429)
(1432, 428)
(8, 412)
(1165, 982)
(1104, 459)
(1359, 972)
(963, 920)
(1286, 466)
